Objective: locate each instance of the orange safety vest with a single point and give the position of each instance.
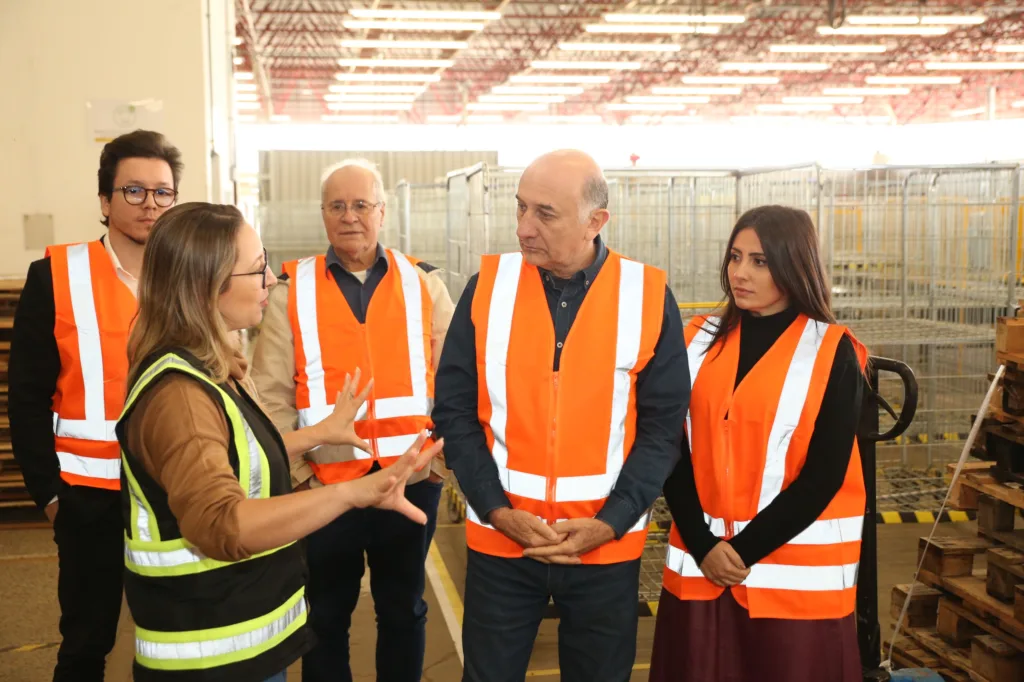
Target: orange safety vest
(560, 439)
(392, 347)
(94, 314)
(748, 445)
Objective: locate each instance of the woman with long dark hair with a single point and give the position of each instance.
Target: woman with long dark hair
(768, 498)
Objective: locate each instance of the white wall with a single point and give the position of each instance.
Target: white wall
(669, 146)
(58, 55)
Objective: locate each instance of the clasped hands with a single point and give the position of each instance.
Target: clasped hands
(560, 543)
(723, 566)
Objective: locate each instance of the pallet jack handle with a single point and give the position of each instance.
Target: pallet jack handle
(868, 628)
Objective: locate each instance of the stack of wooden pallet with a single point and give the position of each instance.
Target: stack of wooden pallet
(15, 503)
(966, 615)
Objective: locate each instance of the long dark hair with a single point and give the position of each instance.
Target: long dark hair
(790, 245)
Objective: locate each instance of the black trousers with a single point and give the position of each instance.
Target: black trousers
(505, 603)
(89, 533)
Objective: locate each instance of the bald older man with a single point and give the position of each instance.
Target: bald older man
(561, 394)
(359, 307)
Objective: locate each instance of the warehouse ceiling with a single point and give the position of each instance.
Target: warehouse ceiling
(534, 61)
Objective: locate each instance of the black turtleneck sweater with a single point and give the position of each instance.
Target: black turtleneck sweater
(828, 455)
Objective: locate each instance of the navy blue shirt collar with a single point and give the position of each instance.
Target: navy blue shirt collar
(380, 261)
(587, 275)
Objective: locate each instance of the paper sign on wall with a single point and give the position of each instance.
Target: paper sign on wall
(109, 118)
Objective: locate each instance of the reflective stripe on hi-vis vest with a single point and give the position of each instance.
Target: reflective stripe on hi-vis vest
(93, 316)
(392, 347)
(560, 439)
(157, 564)
(739, 471)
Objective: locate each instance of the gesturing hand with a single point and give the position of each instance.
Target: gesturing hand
(385, 489)
(581, 536)
(524, 528)
(338, 428)
(723, 566)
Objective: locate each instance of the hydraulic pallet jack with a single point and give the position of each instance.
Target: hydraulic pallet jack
(869, 634)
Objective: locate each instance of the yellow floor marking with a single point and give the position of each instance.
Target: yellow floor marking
(555, 671)
(447, 596)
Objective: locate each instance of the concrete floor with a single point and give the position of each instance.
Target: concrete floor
(29, 613)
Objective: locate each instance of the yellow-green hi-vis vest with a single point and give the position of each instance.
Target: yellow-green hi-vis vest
(197, 618)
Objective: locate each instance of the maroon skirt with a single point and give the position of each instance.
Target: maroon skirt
(718, 641)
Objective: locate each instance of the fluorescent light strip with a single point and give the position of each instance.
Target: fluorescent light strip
(794, 107)
(823, 100)
(522, 99)
(647, 99)
(247, 106)
(883, 31)
(1019, 104)
(280, 118)
(368, 106)
(448, 26)
(696, 91)
(829, 49)
(766, 119)
(406, 44)
(237, 61)
(368, 97)
(245, 87)
(961, 113)
(536, 90)
(237, 40)
(646, 107)
(581, 118)
(913, 80)
(619, 47)
(731, 80)
(643, 119)
(774, 66)
(505, 106)
(356, 118)
(244, 76)
(931, 19)
(974, 66)
(405, 89)
(664, 29)
(245, 118)
(1009, 48)
(584, 80)
(865, 91)
(860, 119)
(623, 18)
(473, 118)
(609, 66)
(398, 63)
(424, 14)
(388, 77)
(246, 97)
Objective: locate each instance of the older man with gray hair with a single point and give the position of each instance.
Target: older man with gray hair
(561, 395)
(367, 309)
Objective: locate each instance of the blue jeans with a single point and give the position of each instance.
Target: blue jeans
(396, 550)
(506, 600)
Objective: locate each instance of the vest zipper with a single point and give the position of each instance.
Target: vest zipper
(552, 479)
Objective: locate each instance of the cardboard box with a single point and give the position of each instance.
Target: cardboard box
(1010, 335)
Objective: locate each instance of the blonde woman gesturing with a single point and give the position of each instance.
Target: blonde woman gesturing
(215, 580)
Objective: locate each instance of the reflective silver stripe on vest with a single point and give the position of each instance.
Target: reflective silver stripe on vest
(696, 351)
(93, 467)
(320, 404)
(775, 576)
(157, 647)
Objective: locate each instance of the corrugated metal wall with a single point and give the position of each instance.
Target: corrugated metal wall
(287, 175)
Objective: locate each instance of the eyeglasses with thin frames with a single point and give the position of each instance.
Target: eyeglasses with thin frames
(359, 207)
(262, 273)
(136, 195)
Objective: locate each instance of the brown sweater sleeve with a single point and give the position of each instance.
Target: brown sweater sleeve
(180, 435)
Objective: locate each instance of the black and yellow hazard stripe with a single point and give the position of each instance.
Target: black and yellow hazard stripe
(924, 516)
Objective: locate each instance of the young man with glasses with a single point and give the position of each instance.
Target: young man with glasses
(68, 368)
(359, 306)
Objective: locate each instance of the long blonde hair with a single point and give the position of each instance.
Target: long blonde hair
(187, 264)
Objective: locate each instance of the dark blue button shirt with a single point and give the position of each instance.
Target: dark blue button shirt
(662, 397)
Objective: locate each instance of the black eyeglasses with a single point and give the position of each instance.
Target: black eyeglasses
(263, 272)
(136, 195)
